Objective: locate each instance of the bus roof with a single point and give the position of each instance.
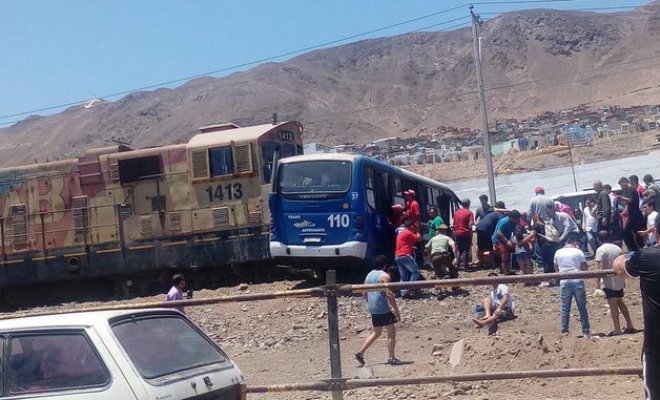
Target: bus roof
(357, 157)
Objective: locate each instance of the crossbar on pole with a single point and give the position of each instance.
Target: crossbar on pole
(302, 293)
(475, 281)
(325, 386)
(343, 290)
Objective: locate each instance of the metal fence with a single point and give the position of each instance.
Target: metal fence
(332, 290)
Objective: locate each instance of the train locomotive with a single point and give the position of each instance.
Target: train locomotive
(119, 212)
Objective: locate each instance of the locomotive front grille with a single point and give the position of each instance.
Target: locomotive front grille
(254, 218)
(114, 172)
(221, 217)
(175, 221)
(146, 225)
(19, 225)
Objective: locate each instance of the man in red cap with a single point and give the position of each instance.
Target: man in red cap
(413, 211)
(539, 204)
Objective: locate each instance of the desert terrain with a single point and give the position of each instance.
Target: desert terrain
(285, 341)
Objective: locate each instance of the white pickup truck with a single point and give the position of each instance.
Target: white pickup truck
(114, 355)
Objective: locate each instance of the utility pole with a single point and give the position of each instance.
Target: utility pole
(570, 154)
(476, 22)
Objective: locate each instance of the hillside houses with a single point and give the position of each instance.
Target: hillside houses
(581, 125)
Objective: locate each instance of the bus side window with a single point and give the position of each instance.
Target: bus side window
(382, 197)
(444, 207)
(370, 185)
(396, 190)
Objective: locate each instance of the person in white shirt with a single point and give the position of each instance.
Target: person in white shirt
(649, 211)
(498, 306)
(570, 259)
(590, 224)
(612, 286)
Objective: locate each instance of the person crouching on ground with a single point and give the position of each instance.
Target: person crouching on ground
(570, 259)
(612, 285)
(441, 257)
(498, 306)
(406, 241)
(384, 311)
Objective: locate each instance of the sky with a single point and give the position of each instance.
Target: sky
(54, 52)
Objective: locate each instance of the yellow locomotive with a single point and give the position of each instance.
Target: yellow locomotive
(119, 212)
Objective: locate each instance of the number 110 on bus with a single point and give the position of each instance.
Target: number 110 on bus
(339, 220)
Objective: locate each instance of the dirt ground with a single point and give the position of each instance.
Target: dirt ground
(551, 157)
(285, 341)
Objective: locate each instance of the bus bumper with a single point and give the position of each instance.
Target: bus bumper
(348, 249)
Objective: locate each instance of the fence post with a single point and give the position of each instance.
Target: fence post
(333, 335)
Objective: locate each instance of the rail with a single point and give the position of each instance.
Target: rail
(336, 383)
(348, 384)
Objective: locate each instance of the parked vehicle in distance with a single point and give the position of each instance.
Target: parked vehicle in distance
(333, 210)
(127, 355)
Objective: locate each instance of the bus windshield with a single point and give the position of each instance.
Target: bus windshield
(315, 177)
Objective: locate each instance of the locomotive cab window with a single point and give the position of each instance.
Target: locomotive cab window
(268, 151)
(134, 169)
(221, 161)
(288, 150)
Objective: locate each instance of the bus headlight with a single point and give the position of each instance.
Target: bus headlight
(358, 235)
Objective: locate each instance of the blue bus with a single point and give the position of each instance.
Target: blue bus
(333, 210)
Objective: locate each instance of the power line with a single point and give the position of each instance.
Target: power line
(604, 8)
(360, 35)
(281, 55)
(245, 64)
(251, 80)
(481, 3)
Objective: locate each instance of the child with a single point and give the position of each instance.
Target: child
(522, 251)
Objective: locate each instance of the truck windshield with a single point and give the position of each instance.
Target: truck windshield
(162, 345)
(315, 177)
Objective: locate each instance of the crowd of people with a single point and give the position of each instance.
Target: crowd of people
(551, 235)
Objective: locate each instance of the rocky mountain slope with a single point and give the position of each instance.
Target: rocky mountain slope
(397, 86)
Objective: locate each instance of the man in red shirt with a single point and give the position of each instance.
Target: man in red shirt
(406, 241)
(463, 223)
(412, 208)
(396, 216)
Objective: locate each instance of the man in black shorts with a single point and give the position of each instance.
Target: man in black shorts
(384, 311)
(645, 264)
(612, 286)
(485, 229)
